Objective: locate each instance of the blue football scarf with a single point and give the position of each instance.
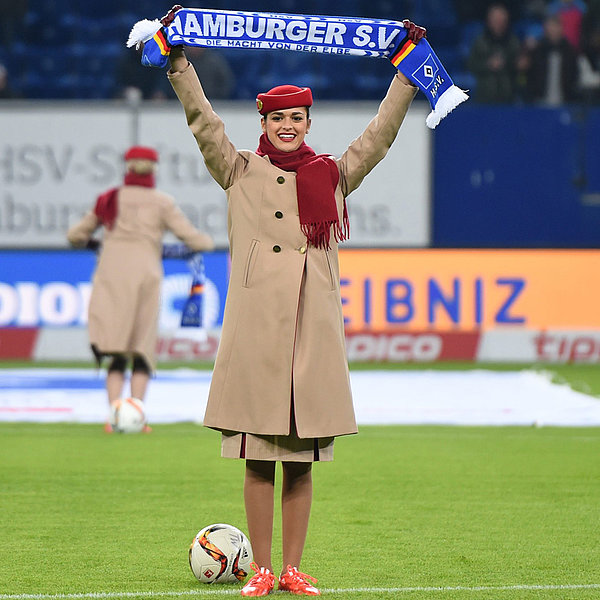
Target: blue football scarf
(304, 33)
(191, 315)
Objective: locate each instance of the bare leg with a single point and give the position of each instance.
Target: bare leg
(296, 500)
(139, 384)
(259, 487)
(114, 385)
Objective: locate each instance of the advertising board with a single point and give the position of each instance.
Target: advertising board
(54, 162)
(486, 305)
(52, 289)
(398, 305)
(467, 290)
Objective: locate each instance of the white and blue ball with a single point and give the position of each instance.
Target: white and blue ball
(127, 415)
(220, 553)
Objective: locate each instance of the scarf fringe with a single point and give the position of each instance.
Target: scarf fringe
(143, 31)
(319, 234)
(446, 103)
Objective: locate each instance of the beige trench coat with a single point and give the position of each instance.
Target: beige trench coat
(124, 304)
(282, 342)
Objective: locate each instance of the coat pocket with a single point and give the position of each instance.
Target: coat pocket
(330, 270)
(250, 263)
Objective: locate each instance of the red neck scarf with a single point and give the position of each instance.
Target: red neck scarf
(146, 180)
(317, 177)
(106, 204)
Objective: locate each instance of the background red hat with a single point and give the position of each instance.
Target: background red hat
(283, 96)
(141, 153)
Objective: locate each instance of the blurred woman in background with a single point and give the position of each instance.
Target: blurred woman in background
(124, 304)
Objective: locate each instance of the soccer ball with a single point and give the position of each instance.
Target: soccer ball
(127, 415)
(220, 553)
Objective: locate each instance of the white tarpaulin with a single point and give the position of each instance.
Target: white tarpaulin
(475, 397)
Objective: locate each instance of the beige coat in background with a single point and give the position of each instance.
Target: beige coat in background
(124, 305)
(283, 331)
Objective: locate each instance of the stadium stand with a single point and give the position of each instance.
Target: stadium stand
(70, 48)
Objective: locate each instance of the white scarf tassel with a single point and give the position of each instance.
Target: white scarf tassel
(143, 31)
(446, 103)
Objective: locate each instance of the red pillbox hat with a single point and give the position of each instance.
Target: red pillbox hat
(283, 96)
(141, 153)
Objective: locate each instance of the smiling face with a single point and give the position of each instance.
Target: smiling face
(286, 128)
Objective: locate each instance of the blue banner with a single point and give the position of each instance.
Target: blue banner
(52, 288)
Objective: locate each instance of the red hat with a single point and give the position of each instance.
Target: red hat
(283, 96)
(141, 153)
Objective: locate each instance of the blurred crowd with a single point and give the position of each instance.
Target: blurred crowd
(514, 51)
(552, 58)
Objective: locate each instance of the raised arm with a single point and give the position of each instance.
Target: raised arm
(221, 157)
(371, 147)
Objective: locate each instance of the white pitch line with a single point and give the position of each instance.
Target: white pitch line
(464, 588)
(365, 590)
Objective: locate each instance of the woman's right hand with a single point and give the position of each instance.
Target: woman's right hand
(177, 57)
(170, 16)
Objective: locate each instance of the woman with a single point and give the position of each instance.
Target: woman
(124, 304)
(280, 388)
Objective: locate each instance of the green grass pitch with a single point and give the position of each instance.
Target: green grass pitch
(403, 512)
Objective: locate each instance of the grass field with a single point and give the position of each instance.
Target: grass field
(403, 512)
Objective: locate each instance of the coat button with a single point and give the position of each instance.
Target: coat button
(279, 214)
(281, 179)
(276, 248)
(302, 250)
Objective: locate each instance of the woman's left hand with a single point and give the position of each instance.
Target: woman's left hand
(414, 32)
